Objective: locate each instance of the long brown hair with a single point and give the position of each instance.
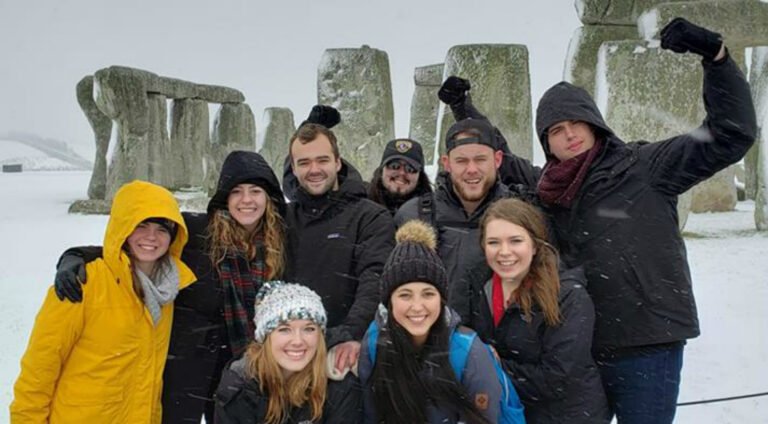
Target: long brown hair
(227, 236)
(542, 285)
(308, 385)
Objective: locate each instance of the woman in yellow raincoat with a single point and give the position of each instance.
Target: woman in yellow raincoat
(101, 361)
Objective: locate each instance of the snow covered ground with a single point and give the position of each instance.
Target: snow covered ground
(728, 260)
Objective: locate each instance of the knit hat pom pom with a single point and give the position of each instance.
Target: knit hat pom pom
(416, 231)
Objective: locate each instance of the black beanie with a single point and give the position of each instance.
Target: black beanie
(414, 259)
(169, 225)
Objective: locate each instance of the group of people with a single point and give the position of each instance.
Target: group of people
(508, 293)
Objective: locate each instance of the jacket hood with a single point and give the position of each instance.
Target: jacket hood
(132, 204)
(567, 102)
(246, 167)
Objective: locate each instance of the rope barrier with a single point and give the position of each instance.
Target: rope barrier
(725, 399)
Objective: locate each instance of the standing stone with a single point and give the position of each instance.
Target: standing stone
(189, 142)
(357, 83)
(649, 94)
(581, 61)
(743, 23)
(102, 130)
(234, 128)
(425, 107)
(501, 89)
(122, 97)
(160, 154)
(758, 81)
(273, 140)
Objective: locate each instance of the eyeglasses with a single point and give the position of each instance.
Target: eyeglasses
(395, 166)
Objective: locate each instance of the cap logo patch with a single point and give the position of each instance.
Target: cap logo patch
(403, 146)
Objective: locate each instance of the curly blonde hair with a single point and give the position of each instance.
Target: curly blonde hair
(227, 236)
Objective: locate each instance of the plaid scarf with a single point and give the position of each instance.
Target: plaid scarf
(240, 280)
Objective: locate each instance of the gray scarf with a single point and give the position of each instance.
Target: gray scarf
(160, 292)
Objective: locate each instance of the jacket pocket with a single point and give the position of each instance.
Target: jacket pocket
(89, 394)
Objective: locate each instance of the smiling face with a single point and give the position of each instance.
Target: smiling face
(148, 242)
(315, 165)
(294, 345)
(399, 178)
(568, 139)
(473, 171)
(246, 204)
(509, 250)
(416, 306)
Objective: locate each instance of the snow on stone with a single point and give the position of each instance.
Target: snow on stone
(261, 131)
(573, 50)
(648, 24)
(601, 78)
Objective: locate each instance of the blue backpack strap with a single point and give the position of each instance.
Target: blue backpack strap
(461, 344)
(373, 337)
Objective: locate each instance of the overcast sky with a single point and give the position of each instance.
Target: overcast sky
(268, 50)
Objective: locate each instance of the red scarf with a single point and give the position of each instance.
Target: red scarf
(561, 181)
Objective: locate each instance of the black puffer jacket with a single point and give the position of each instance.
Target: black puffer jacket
(458, 234)
(239, 400)
(551, 366)
(337, 245)
(623, 225)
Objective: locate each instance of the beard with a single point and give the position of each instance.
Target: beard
(472, 196)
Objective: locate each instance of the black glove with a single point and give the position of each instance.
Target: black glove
(454, 90)
(326, 116)
(70, 276)
(682, 36)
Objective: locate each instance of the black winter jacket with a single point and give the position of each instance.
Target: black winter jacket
(458, 234)
(337, 245)
(551, 367)
(623, 225)
(239, 400)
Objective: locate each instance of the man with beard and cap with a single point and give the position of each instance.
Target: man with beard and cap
(469, 184)
(400, 176)
(614, 210)
(338, 240)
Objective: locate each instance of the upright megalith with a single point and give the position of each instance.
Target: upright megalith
(501, 89)
(758, 81)
(189, 142)
(278, 127)
(425, 107)
(101, 125)
(234, 128)
(649, 94)
(581, 61)
(160, 153)
(357, 83)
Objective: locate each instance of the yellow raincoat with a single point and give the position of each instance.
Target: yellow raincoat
(101, 361)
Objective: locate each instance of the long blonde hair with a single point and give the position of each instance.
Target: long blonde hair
(308, 385)
(542, 285)
(227, 236)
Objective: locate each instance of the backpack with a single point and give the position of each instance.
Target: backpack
(510, 409)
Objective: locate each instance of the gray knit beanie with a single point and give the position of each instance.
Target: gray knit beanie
(278, 302)
(413, 259)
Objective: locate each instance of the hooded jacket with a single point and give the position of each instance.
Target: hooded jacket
(550, 366)
(240, 400)
(623, 224)
(337, 244)
(479, 378)
(102, 360)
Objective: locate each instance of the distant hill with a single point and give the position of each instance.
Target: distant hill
(40, 154)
